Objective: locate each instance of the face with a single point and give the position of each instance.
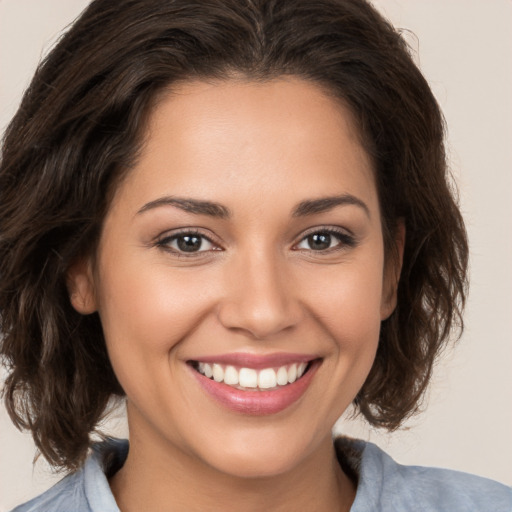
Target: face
(240, 275)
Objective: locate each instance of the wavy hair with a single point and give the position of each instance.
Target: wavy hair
(78, 131)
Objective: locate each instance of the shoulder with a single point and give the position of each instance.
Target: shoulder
(385, 485)
(87, 490)
(68, 494)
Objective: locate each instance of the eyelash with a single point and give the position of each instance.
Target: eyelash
(345, 241)
(165, 241)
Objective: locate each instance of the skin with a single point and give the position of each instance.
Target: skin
(259, 150)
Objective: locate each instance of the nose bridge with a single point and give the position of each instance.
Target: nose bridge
(260, 298)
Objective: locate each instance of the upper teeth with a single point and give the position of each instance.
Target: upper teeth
(265, 378)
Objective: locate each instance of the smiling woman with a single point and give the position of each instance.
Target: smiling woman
(237, 216)
(202, 312)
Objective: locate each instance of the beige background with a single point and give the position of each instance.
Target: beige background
(464, 48)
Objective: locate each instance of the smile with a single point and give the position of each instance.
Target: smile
(255, 385)
(252, 379)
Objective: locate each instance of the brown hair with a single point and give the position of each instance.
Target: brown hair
(78, 129)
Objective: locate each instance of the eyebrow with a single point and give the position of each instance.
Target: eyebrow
(212, 209)
(324, 204)
(189, 205)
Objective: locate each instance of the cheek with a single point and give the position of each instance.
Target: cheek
(146, 308)
(348, 300)
(145, 313)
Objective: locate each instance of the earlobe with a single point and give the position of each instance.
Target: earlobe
(393, 268)
(80, 284)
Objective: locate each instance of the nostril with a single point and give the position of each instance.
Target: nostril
(261, 319)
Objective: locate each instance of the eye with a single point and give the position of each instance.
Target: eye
(324, 240)
(187, 243)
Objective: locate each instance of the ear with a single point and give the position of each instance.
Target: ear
(80, 284)
(392, 269)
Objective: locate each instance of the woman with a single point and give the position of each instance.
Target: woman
(235, 214)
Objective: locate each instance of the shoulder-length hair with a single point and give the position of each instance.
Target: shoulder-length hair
(78, 131)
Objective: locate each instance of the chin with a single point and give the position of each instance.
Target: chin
(259, 456)
(256, 465)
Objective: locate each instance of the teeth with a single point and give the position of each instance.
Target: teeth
(282, 376)
(266, 378)
(292, 373)
(218, 373)
(205, 369)
(248, 378)
(231, 376)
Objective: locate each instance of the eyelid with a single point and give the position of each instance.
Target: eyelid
(346, 240)
(346, 237)
(162, 240)
(323, 228)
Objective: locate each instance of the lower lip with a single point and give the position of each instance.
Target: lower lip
(257, 402)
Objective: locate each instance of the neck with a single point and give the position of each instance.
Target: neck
(156, 479)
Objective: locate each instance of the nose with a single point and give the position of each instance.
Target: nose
(261, 297)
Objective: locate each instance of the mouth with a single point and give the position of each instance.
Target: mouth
(255, 385)
(252, 379)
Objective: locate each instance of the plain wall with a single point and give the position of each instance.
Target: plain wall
(464, 48)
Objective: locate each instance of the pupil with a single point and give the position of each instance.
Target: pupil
(189, 243)
(319, 241)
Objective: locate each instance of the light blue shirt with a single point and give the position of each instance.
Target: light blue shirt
(383, 485)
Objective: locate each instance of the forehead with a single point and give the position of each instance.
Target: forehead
(239, 138)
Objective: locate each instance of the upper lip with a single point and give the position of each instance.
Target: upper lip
(256, 361)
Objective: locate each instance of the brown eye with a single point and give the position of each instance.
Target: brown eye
(188, 243)
(319, 241)
(326, 240)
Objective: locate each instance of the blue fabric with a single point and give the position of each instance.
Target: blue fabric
(383, 486)
(386, 486)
